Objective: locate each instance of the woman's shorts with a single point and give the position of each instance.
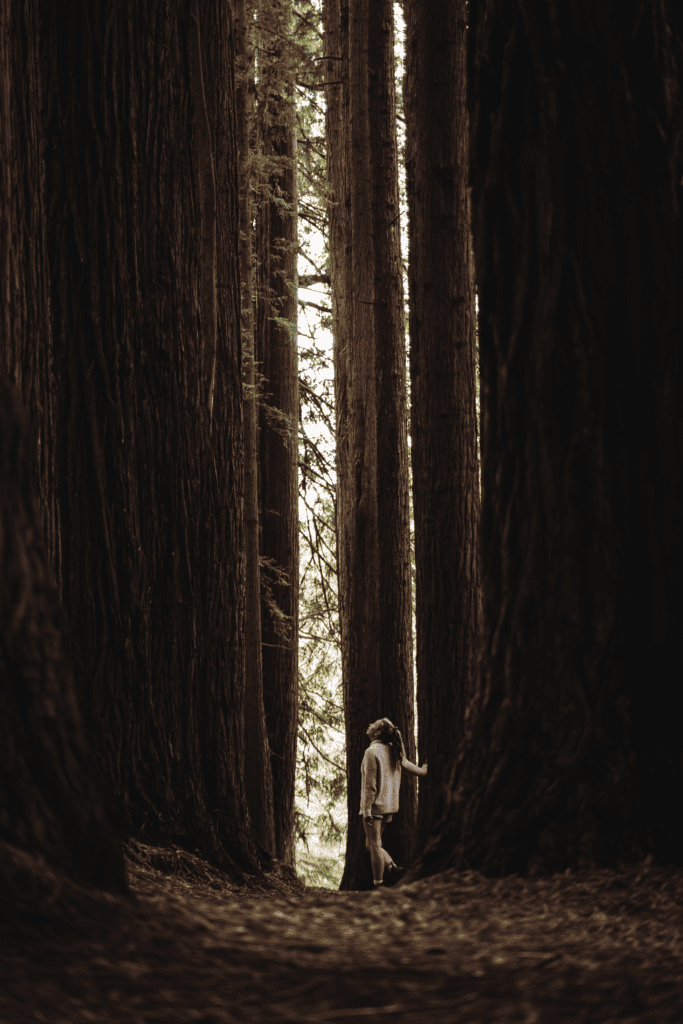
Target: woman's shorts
(373, 829)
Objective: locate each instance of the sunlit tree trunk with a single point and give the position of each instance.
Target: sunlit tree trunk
(393, 505)
(279, 421)
(443, 373)
(572, 755)
(370, 396)
(140, 121)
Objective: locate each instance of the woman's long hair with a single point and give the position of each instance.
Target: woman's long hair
(385, 731)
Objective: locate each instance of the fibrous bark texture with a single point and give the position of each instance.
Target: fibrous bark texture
(370, 395)
(258, 774)
(206, 191)
(50, 802)
(279, 420)
(151, 482)
(443, 381)
(25, 329)
(572, 755)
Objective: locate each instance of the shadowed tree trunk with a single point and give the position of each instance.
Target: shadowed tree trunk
(140, 116)
(372, 468)
(257, 768)
(206, 193)
(279, 421)
(442, 373)
(573, 753)
(50, 803)
(25, 329)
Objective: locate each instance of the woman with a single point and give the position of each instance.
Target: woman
(381, 779)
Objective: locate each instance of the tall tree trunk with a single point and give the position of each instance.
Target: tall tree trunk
(278, 356)
(372, 474)
(393, 486)
(151, 483)
(50, 802)
(257, 769)
(443, 377)
(573, 755)
(206, 191)
(25, 330)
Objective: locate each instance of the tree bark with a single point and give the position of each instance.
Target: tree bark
(25, 329)
(443, 380)
(206, 182)
(573, 757)
(51, 805)
(279, 420)
(257, 769)
(150, 482)
(393, 486)
(369, 348)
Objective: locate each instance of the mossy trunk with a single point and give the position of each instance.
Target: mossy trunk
(277, 354)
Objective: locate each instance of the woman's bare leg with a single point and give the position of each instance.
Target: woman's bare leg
(373, 843)
(388, 859)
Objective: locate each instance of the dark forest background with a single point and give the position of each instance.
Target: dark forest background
(184, 559)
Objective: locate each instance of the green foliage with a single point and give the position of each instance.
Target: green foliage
(322, 871)
(321, 771)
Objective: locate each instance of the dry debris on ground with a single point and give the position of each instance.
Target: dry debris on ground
(595, 948)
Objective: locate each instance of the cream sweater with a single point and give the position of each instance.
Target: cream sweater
(381, 779)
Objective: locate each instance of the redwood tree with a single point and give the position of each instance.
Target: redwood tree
(257, 763)
(442, 377)
(277, 355)
(370, 395)
(143, 243)
(573, 753)
(51, 800)
(25, 327)
(51, 805)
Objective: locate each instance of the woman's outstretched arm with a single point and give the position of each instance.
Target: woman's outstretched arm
(413, 768)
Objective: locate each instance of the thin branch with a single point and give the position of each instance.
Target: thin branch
(314, 305)
(324, 757)
(306, 280)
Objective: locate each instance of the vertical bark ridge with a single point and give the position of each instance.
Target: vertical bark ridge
(25, 328)
(206, 182)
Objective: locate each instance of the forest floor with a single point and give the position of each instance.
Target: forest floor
(594, 948)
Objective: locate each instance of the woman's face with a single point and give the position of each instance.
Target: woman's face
(373, 731)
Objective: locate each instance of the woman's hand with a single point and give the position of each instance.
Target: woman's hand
(425, 766)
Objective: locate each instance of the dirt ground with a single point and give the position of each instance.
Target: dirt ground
(191, 947)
